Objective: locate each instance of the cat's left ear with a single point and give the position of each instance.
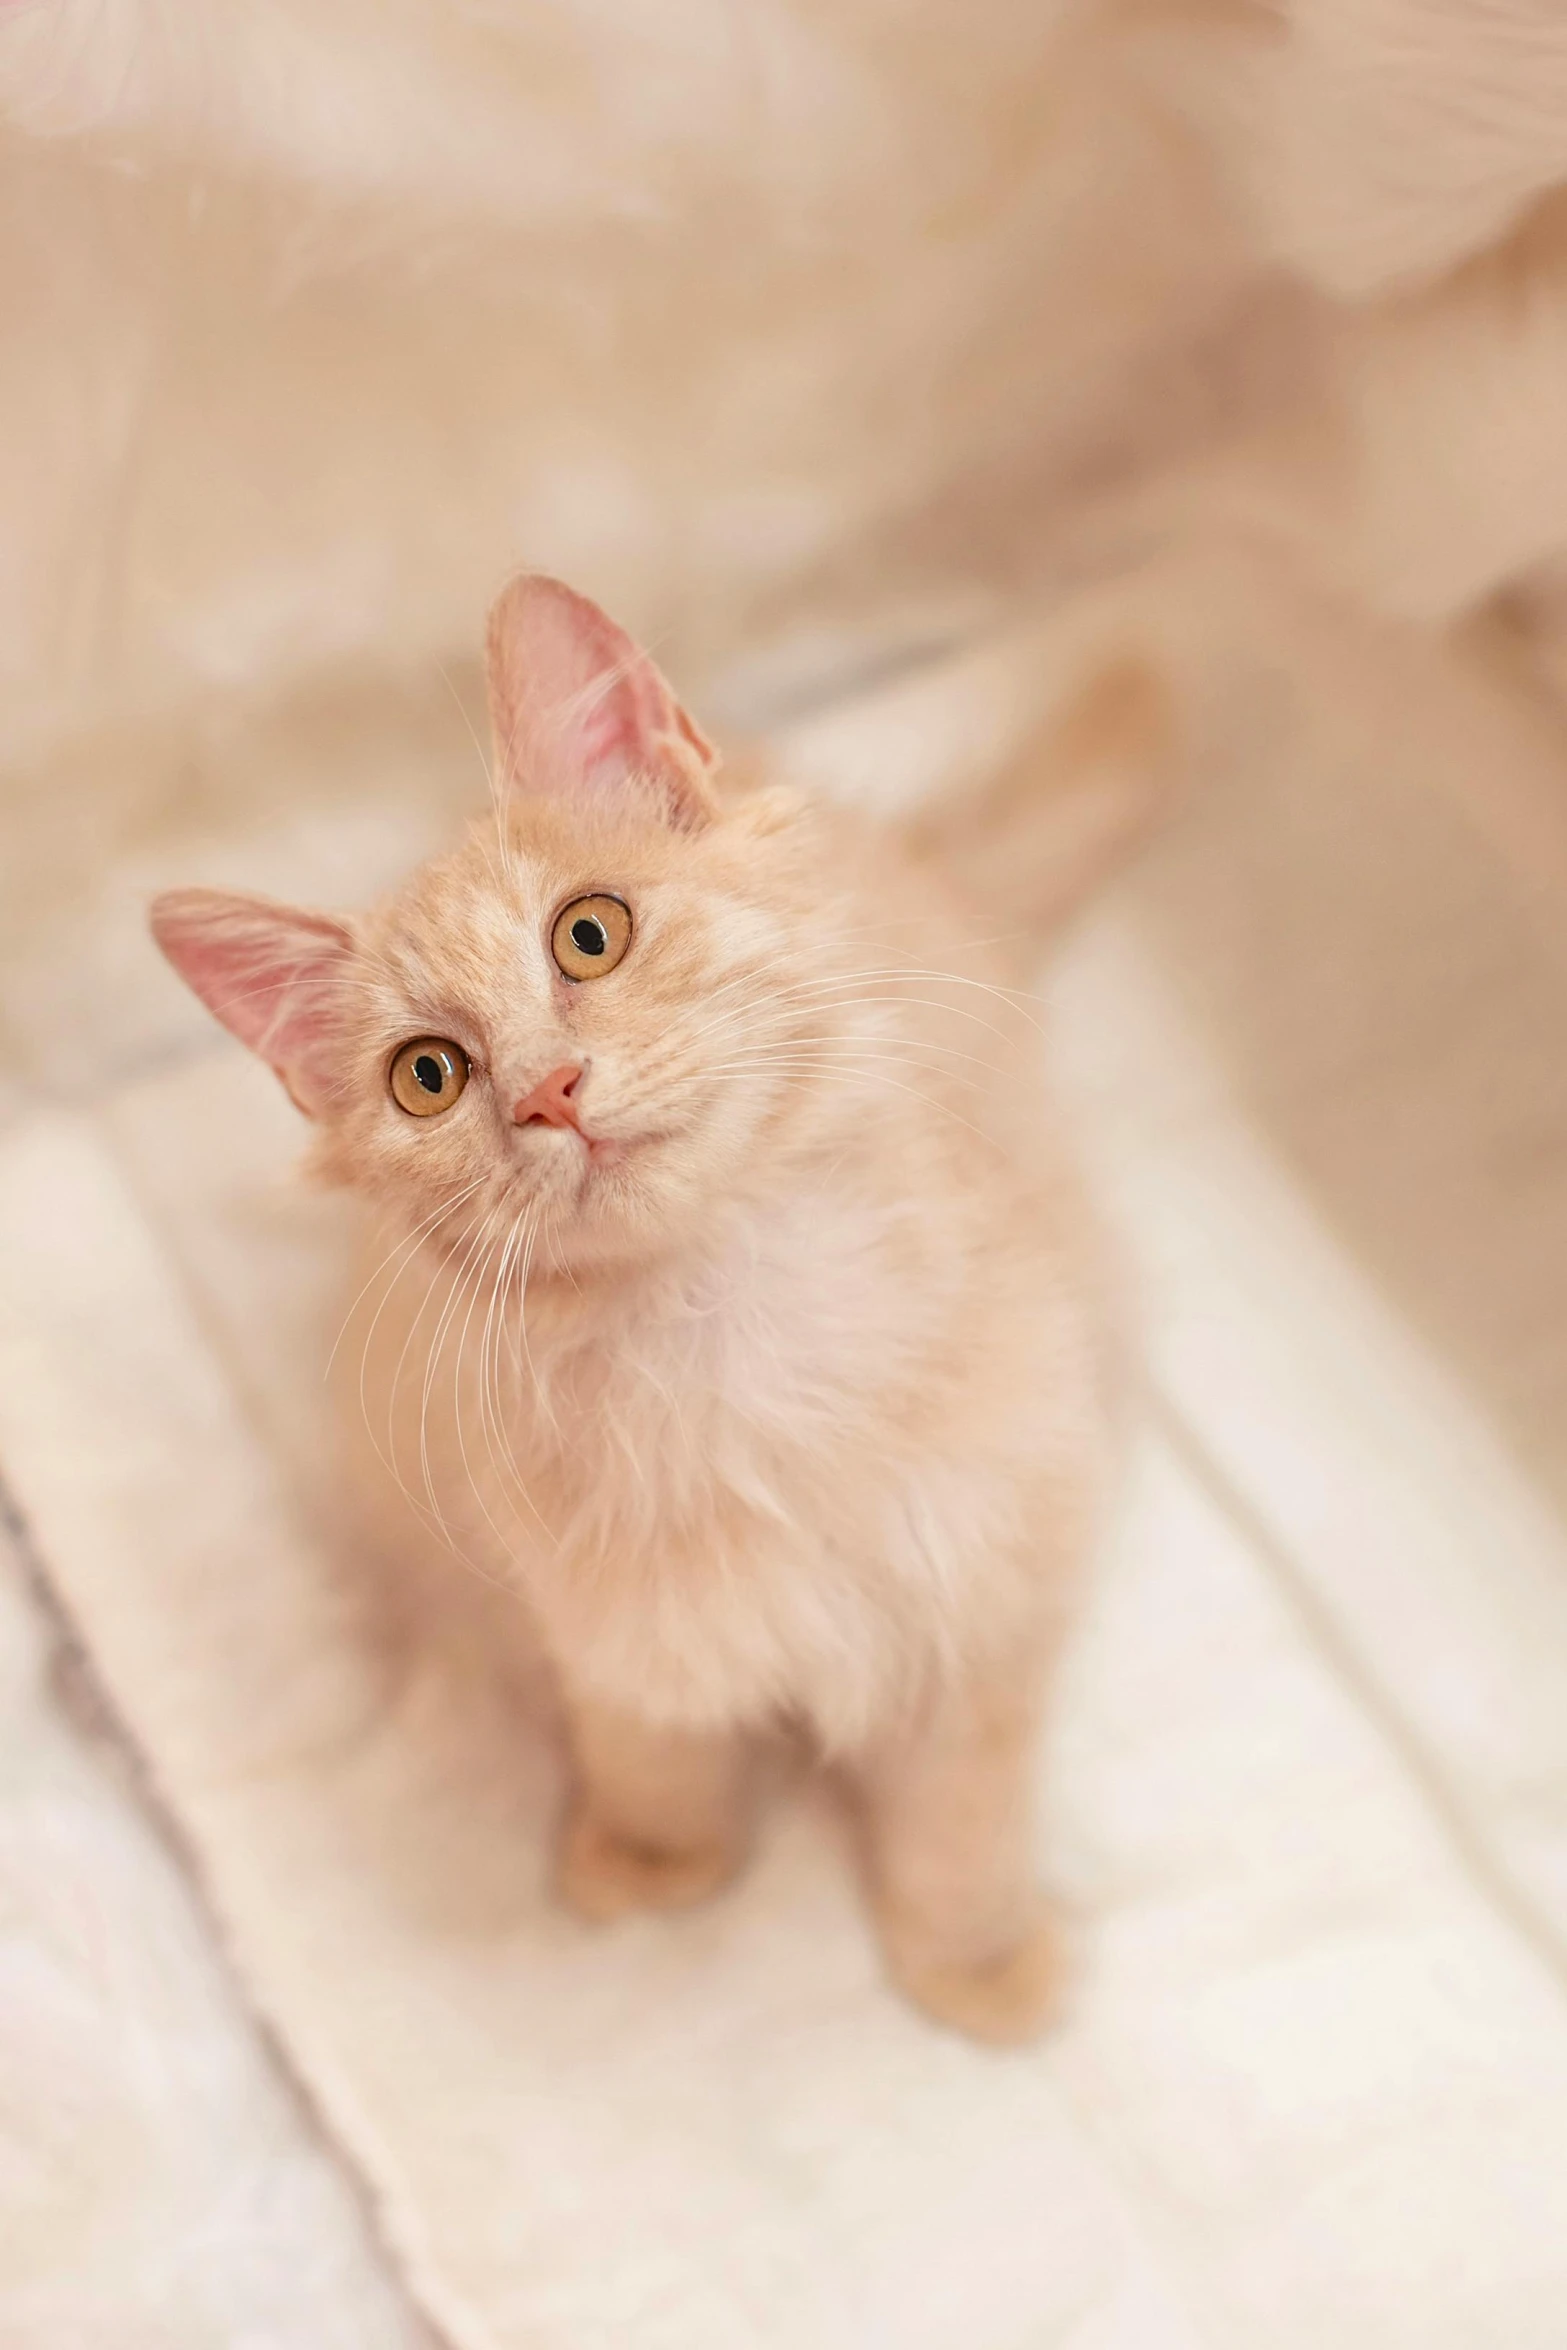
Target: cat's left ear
(579, 710)
(276, 976)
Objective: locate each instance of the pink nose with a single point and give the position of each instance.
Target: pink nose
(550, 1102)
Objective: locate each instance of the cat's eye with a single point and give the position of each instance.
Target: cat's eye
(590, 936)
(427, 1075)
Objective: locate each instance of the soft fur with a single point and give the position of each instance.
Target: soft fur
(761, 322)
(779, 1390)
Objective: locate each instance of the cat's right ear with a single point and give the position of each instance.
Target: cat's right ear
(274, 975)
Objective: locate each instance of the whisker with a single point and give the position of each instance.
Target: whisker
(391, 1403)
(878, 1040)
(409, 1241)
(851, 1055)
(431, 1520)
(491, 1404)
(834, 988)
(457, 1371)
(519, 1244)
(544, 1401)
(473, 1257)
(387, 1457)
(847, 1069)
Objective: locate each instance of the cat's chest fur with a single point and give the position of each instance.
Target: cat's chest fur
(760, 1483)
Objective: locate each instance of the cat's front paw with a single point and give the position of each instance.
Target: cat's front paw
(1005, 1997)
(603, 1874)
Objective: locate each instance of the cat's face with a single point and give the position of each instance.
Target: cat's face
(573, 1020)
(571, 1035)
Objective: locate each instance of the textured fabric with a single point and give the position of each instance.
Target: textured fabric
(1307, 1793)
(808, 337)
(797, 337)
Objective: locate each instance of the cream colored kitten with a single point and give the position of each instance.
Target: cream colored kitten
(741, 1313)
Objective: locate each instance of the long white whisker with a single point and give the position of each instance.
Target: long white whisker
(851, 1055)
(408, 1243)
(835, 987)
(473, 1257)
(388, 1456)
(457, 1372)
(848, 1069)
(504, 1462)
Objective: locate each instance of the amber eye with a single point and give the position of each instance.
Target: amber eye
(427, 1076)
(590, 936)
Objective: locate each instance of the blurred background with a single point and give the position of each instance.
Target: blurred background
(881, 366)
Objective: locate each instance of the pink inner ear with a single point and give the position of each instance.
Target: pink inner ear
(608, 736)
(273, 975)
(578, 706)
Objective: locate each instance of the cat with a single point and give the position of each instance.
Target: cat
(713, 1145)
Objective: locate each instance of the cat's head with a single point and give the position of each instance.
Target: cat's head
(573, 1024)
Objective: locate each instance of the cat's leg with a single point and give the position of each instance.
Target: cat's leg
(656, 1818)
(948, 1823)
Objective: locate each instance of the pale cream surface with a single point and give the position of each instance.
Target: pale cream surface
(276, 419)
(1308, 1782)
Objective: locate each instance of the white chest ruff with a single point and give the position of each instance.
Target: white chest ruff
(715, 1565)
(784, 1492)
(718, 1609)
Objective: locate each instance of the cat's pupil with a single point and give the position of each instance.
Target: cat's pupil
(589, 936)
(429, 1072)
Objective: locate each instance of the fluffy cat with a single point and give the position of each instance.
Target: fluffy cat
(742, 1312)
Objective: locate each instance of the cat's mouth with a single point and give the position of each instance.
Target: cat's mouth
(555, 1104)
(616, 1150)
(600, 1153)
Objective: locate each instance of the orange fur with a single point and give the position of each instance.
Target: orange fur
(788, 1402)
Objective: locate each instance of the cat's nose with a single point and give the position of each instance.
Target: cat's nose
(550, 1102)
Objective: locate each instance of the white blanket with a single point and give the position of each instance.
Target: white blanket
(801, 334)
(1313, 2083)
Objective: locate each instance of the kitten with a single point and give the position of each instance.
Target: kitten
(743, 1314)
